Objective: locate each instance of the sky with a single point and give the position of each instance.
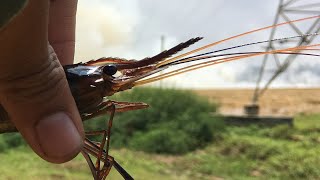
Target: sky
(132, 29)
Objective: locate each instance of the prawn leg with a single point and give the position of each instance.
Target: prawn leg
(97, 149)
(100, 150)
(106, 108)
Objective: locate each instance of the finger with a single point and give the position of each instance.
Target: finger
(33, 87)
(62, 21)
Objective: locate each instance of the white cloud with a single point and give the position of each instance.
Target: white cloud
(102, 28)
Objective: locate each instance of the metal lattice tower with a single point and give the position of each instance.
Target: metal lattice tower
(287, 10)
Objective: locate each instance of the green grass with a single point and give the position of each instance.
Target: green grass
(22, 163)
(242, 153)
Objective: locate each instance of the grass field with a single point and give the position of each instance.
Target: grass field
(241, 153)
(252, 152)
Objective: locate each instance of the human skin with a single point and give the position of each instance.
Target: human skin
(33, 87)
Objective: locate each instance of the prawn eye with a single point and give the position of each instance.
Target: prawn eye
(110, 69)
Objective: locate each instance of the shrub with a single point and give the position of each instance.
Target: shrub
(14, 140)
(3, 144)
(10, 140)
(161, 141)
(177, 122)
(255, 148)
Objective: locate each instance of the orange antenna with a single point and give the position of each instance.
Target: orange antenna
(230, 38)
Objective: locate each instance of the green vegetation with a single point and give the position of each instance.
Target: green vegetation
(177, 122)
(253, 152)
(22, 163)
(10, 140)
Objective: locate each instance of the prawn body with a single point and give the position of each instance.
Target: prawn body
(87, 86)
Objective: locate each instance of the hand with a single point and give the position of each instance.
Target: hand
(33, 87)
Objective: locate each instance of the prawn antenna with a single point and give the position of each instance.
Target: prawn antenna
(243, 45)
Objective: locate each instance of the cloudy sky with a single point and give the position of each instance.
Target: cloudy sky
(132, 29)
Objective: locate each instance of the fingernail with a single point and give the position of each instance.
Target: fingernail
(58, 137)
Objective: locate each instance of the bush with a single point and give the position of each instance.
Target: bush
(3, 144)
(252, 147)
(14, 140)
(177, 122)
(161, 141)
(10, 140)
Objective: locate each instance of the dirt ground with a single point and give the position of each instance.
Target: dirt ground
(273, 102)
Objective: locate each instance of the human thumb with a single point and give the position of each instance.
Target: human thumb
(33, 87)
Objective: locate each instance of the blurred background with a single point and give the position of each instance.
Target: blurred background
(187, 132)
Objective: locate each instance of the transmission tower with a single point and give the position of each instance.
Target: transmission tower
(287, 11)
